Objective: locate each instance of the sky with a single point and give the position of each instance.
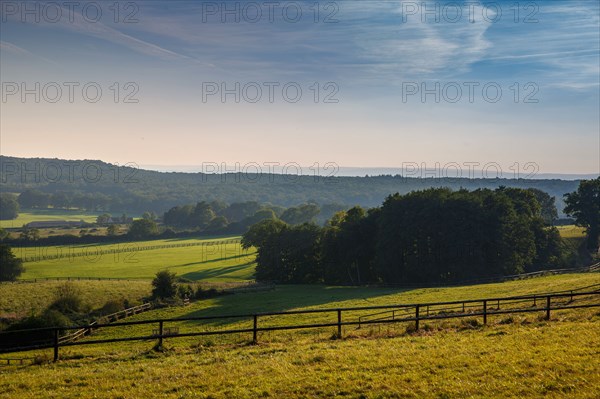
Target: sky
(386, 84)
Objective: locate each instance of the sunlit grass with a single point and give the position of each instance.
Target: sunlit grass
(219, 262)
(21, 299)
(571, 231)
(34, 215)
(512, 357)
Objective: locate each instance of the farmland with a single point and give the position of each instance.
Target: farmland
(220, 262)
(32, 215)
(521, 356)
(15, 301)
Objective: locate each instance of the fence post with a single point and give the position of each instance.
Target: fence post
(484, 312)
(254, 330)
(339, 326)
(56, 344)
(417, 318)
(548, 307)
(160, 333)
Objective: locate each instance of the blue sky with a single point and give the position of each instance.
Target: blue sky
(366, 57)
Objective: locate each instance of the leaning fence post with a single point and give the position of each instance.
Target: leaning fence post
(416, 317)
(484, 312)
(56, 344)
(548, 307)
(160, 334)
(254, 330)
(339, 325)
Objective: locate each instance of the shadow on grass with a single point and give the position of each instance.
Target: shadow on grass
(289, 297)
(214, 271)
(201, 238)
(250, 257)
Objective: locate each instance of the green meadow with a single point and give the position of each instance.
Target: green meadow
(34, 215)
(20, 299)
(511, 357)
(217, 262)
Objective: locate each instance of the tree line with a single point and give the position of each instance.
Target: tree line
(430, 236)
(102, 187)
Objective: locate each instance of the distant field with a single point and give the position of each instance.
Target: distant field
(221, 262)
(21, 299)
(32, 215)
(571, 231)
(512, 357)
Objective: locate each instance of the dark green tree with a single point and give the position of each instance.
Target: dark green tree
(142, 228)
(201, 215)
(112, 230)
(103, 219)
(164, 285)
(584, 206)
(301, 214)
(9, 207)
(34, 199)
(548, 210)
(11, 267)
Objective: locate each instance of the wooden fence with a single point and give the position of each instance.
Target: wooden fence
(499, 279)
(339, 318)
(126, 248)
(82, 332)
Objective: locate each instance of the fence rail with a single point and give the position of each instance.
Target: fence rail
(499, 279)
(342, 317)
(127, 248)
(107, 319)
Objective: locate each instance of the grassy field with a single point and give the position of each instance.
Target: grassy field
(16, 299)
(571, 231)
(33, 215)
(222, 262)
(520, 356)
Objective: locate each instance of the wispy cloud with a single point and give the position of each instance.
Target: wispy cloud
(7, 47)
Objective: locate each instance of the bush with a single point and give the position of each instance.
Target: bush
(185, 291)
(113, 306)
(67, 299)
(164, 284)
(50, 318)
(207, 294)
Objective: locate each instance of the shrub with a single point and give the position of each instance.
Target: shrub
(164, 284)
(50, 318)
(185, 291)
(67, 299)
(112, 306)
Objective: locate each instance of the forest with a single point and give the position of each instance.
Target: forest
(102, 187)
(424, 237)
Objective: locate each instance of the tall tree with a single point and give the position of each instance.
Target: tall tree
(142, 228)
(11, 267)
(584, 206)
(9, 207)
